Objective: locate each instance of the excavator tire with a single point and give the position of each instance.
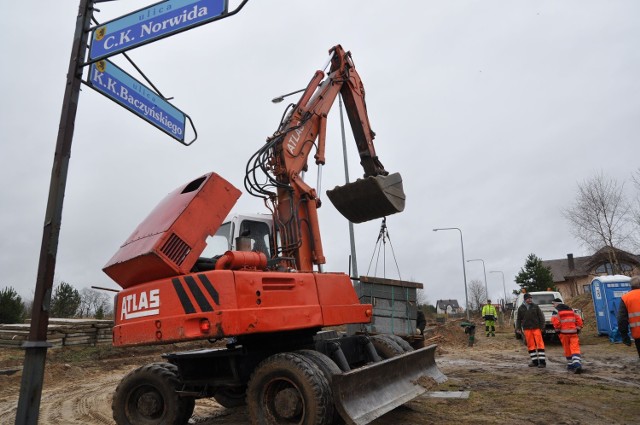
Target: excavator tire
(326, 365)
(231, 397)
(406, 347)
(148, 396)
(385, 346)
(288, 388)
(329, 368)
(369, 198)
(189, 403)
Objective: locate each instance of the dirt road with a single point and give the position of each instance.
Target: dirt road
(502, 388)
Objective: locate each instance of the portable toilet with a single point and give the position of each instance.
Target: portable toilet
(606, 292)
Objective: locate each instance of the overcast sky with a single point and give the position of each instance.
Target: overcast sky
(492, 111)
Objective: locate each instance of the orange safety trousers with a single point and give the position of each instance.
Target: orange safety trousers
(534, 339)
(570, 343)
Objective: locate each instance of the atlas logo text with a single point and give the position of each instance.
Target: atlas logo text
(140, 305)
(294, 139)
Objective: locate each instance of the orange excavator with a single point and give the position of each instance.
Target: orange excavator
(261, 294)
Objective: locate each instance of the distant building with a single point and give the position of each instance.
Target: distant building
(448, 306)
(572, 275)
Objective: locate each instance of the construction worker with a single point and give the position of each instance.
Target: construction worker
(629, 314)
(469, 329)
(489, 314)
(568, 324)
(530, 319)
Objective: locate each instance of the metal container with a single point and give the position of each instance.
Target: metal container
(394, 304)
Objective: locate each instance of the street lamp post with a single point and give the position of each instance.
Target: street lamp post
(486, 288)
(504, 288)
(464, 270)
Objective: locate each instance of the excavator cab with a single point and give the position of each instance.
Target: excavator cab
(369, 198)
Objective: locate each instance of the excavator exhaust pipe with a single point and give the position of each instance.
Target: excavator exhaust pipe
(369, 198)
(367, 393)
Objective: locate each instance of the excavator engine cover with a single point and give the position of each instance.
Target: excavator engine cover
(369, 198)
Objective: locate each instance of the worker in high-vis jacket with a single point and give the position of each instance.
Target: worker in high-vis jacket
(629, 314)
(530, 322)
(567, 324)
(489, 314)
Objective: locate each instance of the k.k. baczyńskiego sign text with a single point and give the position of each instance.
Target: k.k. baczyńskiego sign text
(117, 85)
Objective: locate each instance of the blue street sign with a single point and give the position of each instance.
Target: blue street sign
(108, 79)
(152, 23)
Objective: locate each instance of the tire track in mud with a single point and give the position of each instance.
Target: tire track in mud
(89, 404)
(81, 400)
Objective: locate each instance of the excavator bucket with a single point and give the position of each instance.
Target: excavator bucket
(366, 393)
(369, 198)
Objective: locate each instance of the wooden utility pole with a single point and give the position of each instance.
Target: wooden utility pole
(36, 345)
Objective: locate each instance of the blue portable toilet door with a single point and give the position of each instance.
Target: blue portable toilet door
(600, 307)
(614, 303)
(614, 293)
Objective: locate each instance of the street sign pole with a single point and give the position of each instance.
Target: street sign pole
(36, 345)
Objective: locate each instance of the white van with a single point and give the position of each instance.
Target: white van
(543, 300)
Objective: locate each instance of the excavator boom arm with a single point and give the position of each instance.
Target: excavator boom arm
(306, 122)
(295, 202)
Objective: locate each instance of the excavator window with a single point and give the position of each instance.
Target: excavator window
(217, 245)
(258, 231)
(220, 242)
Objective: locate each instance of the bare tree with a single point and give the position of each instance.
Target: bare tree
(92, 301)
(477, 294)
(599, 215)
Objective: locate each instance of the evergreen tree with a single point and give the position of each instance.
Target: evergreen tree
(11, 308)
(100, 313)
(534, 276)
(65, 301)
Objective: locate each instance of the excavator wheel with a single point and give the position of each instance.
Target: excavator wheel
(288, 388)
(329, 368)
(189, 403)
(231, 397)
(386, 347)
(406, 347)
(148, 396)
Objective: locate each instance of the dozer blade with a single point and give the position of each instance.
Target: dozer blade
(369, 198)
(364, 394)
